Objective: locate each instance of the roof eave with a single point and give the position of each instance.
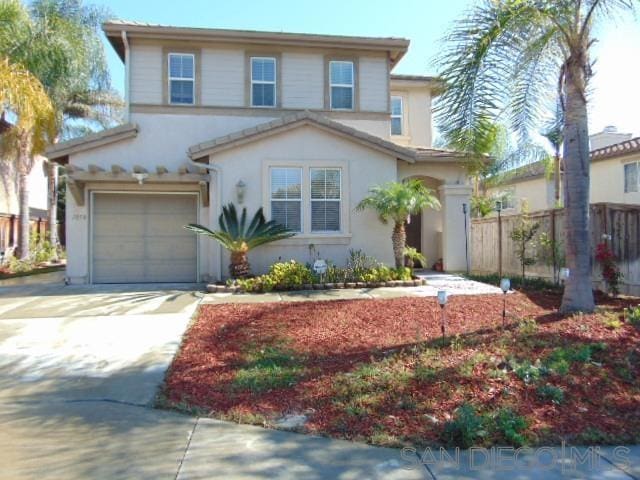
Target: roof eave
(60, 152)
(397, 47)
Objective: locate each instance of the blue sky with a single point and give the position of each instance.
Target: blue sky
(615, 97)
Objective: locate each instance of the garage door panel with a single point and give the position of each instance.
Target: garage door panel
(170, 250)
(140, 238)
(170, 225)
(112, 225)
(124, 249)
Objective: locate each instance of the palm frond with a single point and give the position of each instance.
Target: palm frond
(235, 235)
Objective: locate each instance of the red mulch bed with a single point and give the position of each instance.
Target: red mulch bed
(334, 337)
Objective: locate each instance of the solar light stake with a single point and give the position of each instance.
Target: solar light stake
(505, 285)
(442, 300)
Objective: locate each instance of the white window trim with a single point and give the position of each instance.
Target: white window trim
(401, 116)
(301, 239)
(624, 178)
(299, 200)
(264, 82)
(345, 85)
(170, 78)
(311, 200)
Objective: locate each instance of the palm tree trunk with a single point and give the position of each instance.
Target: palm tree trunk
(239, 265)
(23, 230)
(556, 178)
(578, 294)
(52, 179)
(399, 239)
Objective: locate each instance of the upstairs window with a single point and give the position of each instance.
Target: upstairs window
(263, 82)
(396, 115)
(286, 197)
(341, 79)
(325, 199)
(631, 177)
(181, 78)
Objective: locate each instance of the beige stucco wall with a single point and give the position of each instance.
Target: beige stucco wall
(607, 181)
(9, 187)
(537, 192)
(223, 78)
(417, 117)
(310, 147)
(168, 136)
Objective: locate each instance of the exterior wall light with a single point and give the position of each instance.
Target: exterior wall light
(505, 286)
(241, 190)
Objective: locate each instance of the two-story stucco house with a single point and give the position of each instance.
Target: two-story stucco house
(615, 176)
(299, 124)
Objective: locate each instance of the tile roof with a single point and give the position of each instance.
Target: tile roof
(290, 121)
(616, 150)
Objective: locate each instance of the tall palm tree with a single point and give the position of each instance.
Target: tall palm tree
(58, 41)
(239, 238)
(396, 201)
(515, 57)
(25, 98)
(553, 134)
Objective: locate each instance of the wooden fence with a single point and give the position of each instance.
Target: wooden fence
(491, 235)
(9, 225)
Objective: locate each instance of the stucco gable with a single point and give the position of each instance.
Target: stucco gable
(60, 152)
(290, 122)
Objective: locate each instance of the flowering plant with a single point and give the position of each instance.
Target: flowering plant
(610, 272)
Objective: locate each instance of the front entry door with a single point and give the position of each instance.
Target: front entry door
(414, 232)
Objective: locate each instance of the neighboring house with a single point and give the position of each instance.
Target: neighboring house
(615, 176)
(9, 200)
(299, 124)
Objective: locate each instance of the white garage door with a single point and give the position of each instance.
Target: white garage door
(140, 238)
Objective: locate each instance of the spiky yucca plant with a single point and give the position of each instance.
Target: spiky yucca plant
(239, 238)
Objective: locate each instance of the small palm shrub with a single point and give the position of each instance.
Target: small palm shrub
(413, 257)
(239, 237)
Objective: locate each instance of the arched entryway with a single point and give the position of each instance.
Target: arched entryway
(424, 230)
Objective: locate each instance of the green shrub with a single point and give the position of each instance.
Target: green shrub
(358, 264)
(526, 371)
(551, 393)
(16, 265)
(611, 321)
(532, 283)
(281, 275)
(580, 353)
(465, 428)
(527, 326)
(632, 315)
(510, 426)
(290, 274)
